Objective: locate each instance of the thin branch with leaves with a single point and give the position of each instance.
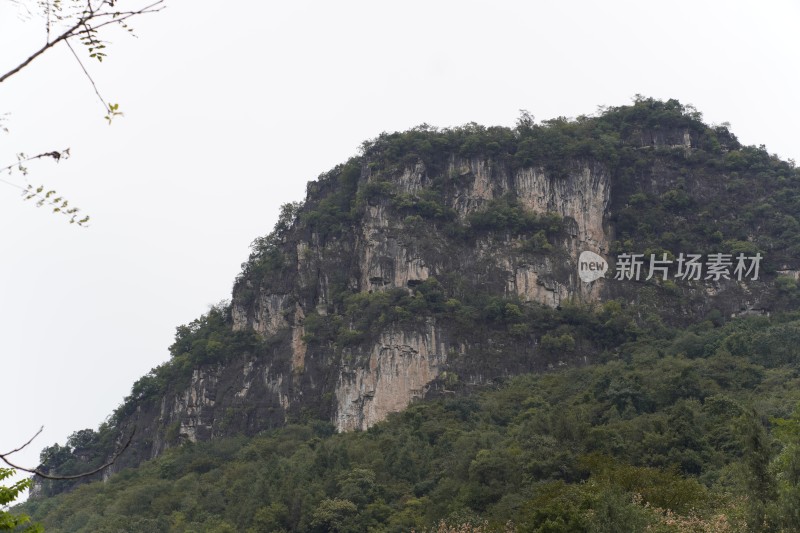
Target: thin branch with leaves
(41, 196)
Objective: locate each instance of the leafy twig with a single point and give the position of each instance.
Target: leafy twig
(45, 197)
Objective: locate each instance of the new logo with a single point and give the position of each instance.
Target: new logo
(591, 266)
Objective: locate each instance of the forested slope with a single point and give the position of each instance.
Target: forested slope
(438, 269)
(693, 430)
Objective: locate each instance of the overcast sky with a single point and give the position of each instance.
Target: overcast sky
(230, 110)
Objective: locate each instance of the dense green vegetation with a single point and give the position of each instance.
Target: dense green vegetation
(695, 432)
(476, 315)
(756, 212)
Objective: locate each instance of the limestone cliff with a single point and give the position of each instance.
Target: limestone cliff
(439, 260)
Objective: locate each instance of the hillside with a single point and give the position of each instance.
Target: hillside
(667, 433)
(442, 264)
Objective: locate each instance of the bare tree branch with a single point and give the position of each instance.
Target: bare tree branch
(39, 52)
(36, 471)
(24, 445)
(54, 154)
(91, 80)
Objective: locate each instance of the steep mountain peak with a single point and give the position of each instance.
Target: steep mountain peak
(441, 259)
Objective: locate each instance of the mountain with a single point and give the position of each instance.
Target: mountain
(437, 263)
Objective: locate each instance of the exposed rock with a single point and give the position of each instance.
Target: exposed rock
(267, 316)
(298, 345)
(582, 196)
(400, 367)
(536, 284)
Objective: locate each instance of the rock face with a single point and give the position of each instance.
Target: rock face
(361, 385)
(384, 250)
(383, 253)
(464, 225)
(400, 368)
(266, 317)
(583, 198)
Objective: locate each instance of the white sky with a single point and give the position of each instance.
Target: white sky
(229, 112)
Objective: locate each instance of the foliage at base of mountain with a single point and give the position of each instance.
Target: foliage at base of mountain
(13, 521)
(698, 430)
